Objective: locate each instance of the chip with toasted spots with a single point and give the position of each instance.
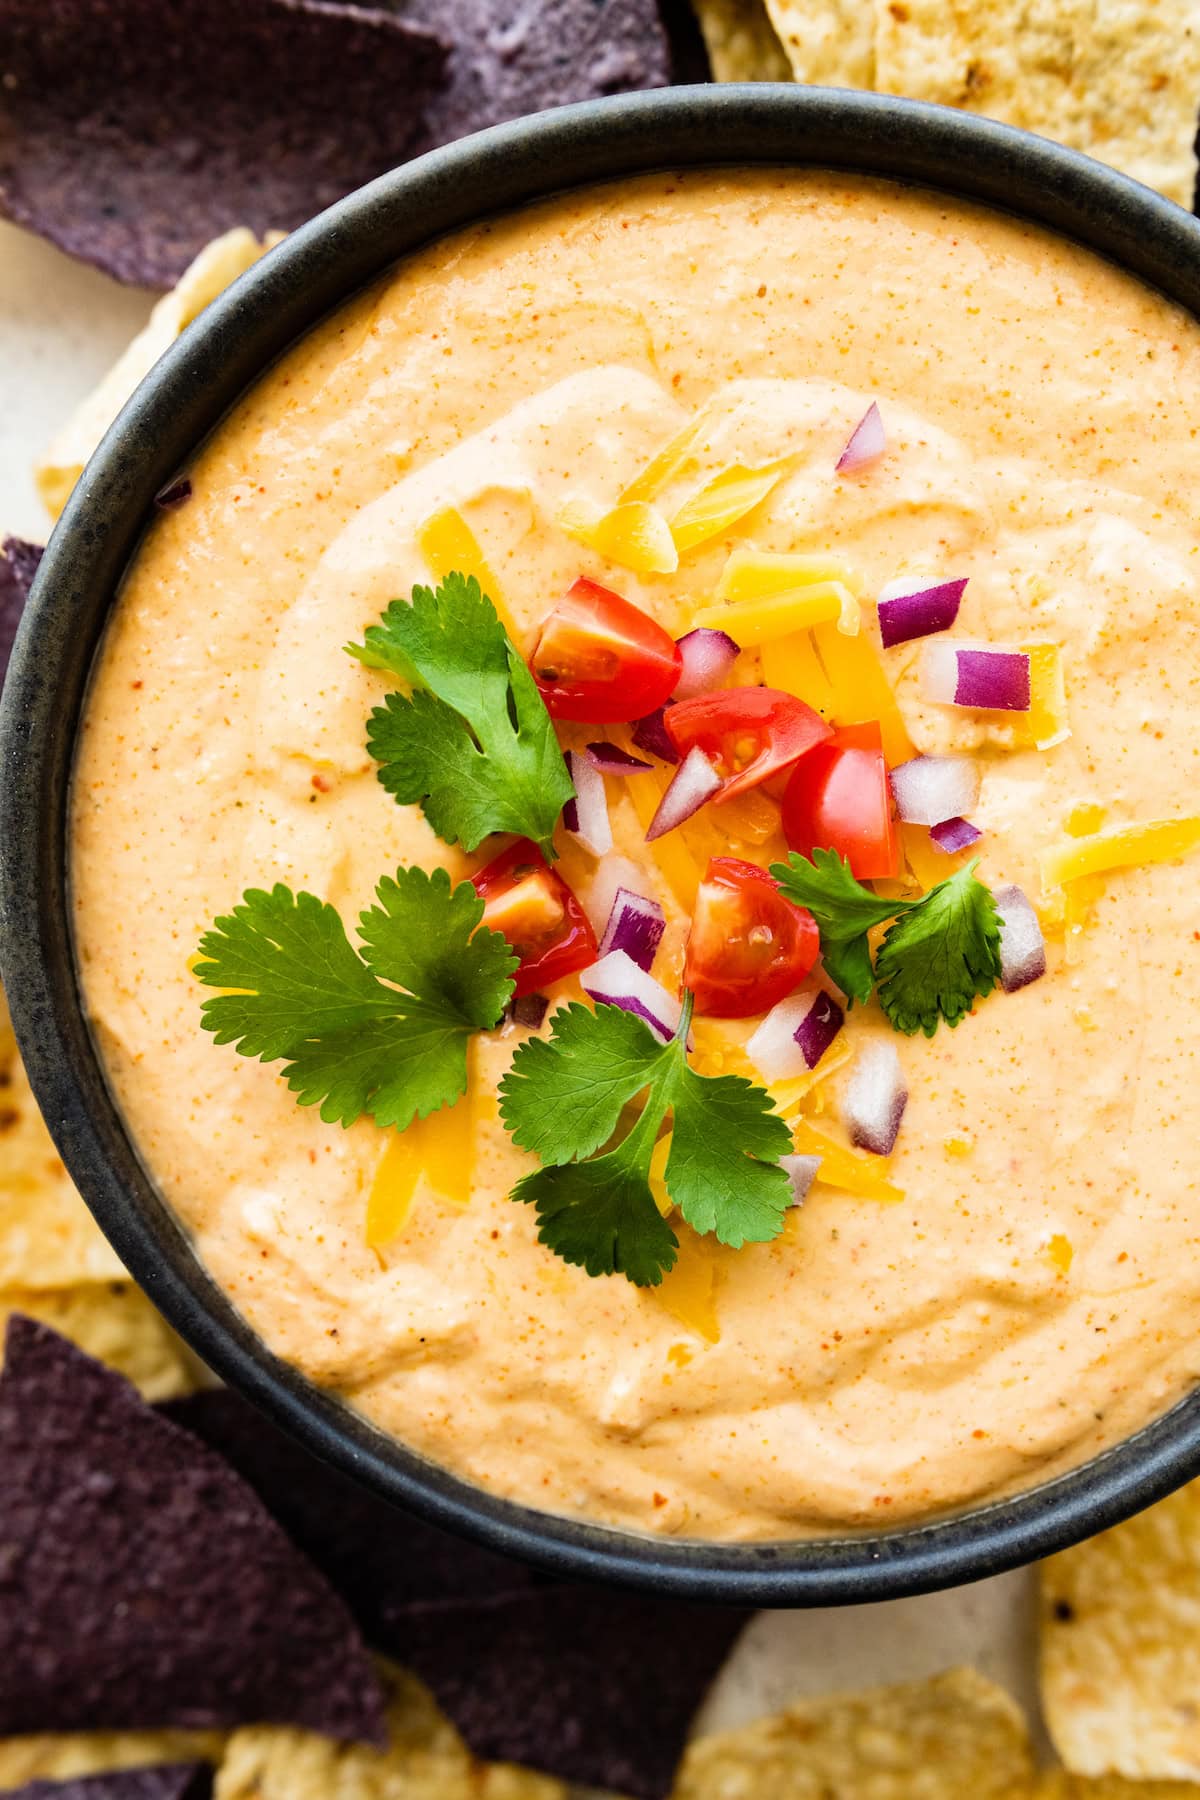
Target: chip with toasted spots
(742, 43)
(67, 1755)
(829, 43)
(114, 1322)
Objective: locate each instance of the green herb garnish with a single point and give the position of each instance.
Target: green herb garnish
(563, 1099)
(940, 955)
(380, 1030)
(473, 744)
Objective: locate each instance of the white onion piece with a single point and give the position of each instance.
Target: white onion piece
(635, 925)
(795, 1035)
(875, 1097)
(708, 656)
(867, 442)
(586, 817)
(617, 980)
(986, 677)
(610, 875)
(694, 782)
(801, 1172)
(932, 789)
(1022, 946)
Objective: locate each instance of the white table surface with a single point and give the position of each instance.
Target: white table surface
(61, 325)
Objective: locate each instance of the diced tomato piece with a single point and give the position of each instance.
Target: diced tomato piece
(602, 659)
(748, 946)
(839, 799)
(748, 733)
(537, 912)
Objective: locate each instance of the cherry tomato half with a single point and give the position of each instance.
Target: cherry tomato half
(750, 733)
(602, 659)
(748, 946)
(539, 915)
(839, 799)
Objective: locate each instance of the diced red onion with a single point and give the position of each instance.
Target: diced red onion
(875, 1098)
(985, 676)
(650, 734)
(586, 816)
(176, 493)
(931, 789)
(617, 980)
(610, 759)
(529, 1009)
(635, 925)
(1022, 946)
(907, 612)
(867, 442)
(694, 782)
(598, 893)
(708, 657)
(953, 835)
(795, 1035)
(801, 1172)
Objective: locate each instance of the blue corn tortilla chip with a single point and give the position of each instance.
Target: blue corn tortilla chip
(131, 134)
(18, 566)
(594, 1686)
(173, 1781)
(142, 1583)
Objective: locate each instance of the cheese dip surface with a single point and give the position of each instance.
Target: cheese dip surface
(1017, 1285)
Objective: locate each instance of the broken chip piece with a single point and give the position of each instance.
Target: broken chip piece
(131, 142)
(114, 1322)
(179, 1781)
(220, 1620)
(68, 1755)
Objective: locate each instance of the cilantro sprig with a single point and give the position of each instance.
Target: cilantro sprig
(564, 1098)
(472, 744)
(940, 954)
(381, 1029)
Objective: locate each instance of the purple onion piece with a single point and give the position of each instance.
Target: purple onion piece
(982, 676)
(818, 1028)
(610, 759)
(867, 442)
(954, 834)
(694, 782)
(650, 735)
(174, 494)
(1022, 946)
(708, 656)
(801, 1171)
(529, 1009)
(875, 1098)
(617, 980)
(635, 925)
(795, 1034)
(903, 617)
(930, 789)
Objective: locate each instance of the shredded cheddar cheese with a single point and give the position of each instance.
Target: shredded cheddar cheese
(634, 534)
(447, 543)
(1118, 847)
(1046, 722)
(861, 689)
(792, 663)
(864, 1176)
(721, 503)
(439, 1151)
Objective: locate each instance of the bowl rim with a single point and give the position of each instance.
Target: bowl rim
(184, 397)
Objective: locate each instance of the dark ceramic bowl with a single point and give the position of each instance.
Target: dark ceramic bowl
(186, 394)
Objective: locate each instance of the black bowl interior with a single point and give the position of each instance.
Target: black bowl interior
(185, 396)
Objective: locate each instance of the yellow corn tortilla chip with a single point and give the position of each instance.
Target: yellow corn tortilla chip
(829, 43)
(64, 1756)
(48, 1238)
(1057, 1784)
(1119, 79)
(741, 41)
(1120, 1646)
(217, 265)
(114, 1322)
(949, 1738)
(425, 1760)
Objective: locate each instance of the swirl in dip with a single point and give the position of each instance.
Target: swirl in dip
(1016, 1285)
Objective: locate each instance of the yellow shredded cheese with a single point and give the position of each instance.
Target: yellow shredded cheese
(675, 863)
(721, 503)
(864, 1176)
(688, 1291)
(675, 456)
(634, 534)
(792, 663)
(438, 1151)
(1046, 722)
(927, 864)
(782, 615)
(1118, 847)
(752, 575)
(861, 689)
(1061, 1252)
(792, 1097)
(449, 545)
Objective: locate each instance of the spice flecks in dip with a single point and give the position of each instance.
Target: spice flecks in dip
(875, 1361)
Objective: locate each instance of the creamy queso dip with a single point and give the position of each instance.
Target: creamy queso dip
(1033, 1296)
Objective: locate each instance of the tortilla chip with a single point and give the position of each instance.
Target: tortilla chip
(18, 566)
(217, 265)
(1056, 1784)
(947, 1738)
(144, 1583)
(48, 1238)
(742, 45)
(114, 1322)
(829, 43)
(182, 1781)
(66, 1756)
(1120, 1646)
(131, 138)
(425, 1760)
(1119, 79)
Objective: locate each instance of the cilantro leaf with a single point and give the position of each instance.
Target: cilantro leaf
(940, 956)
(844, 910)
(381, 1031)
(472, 744)
(564, 1097)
